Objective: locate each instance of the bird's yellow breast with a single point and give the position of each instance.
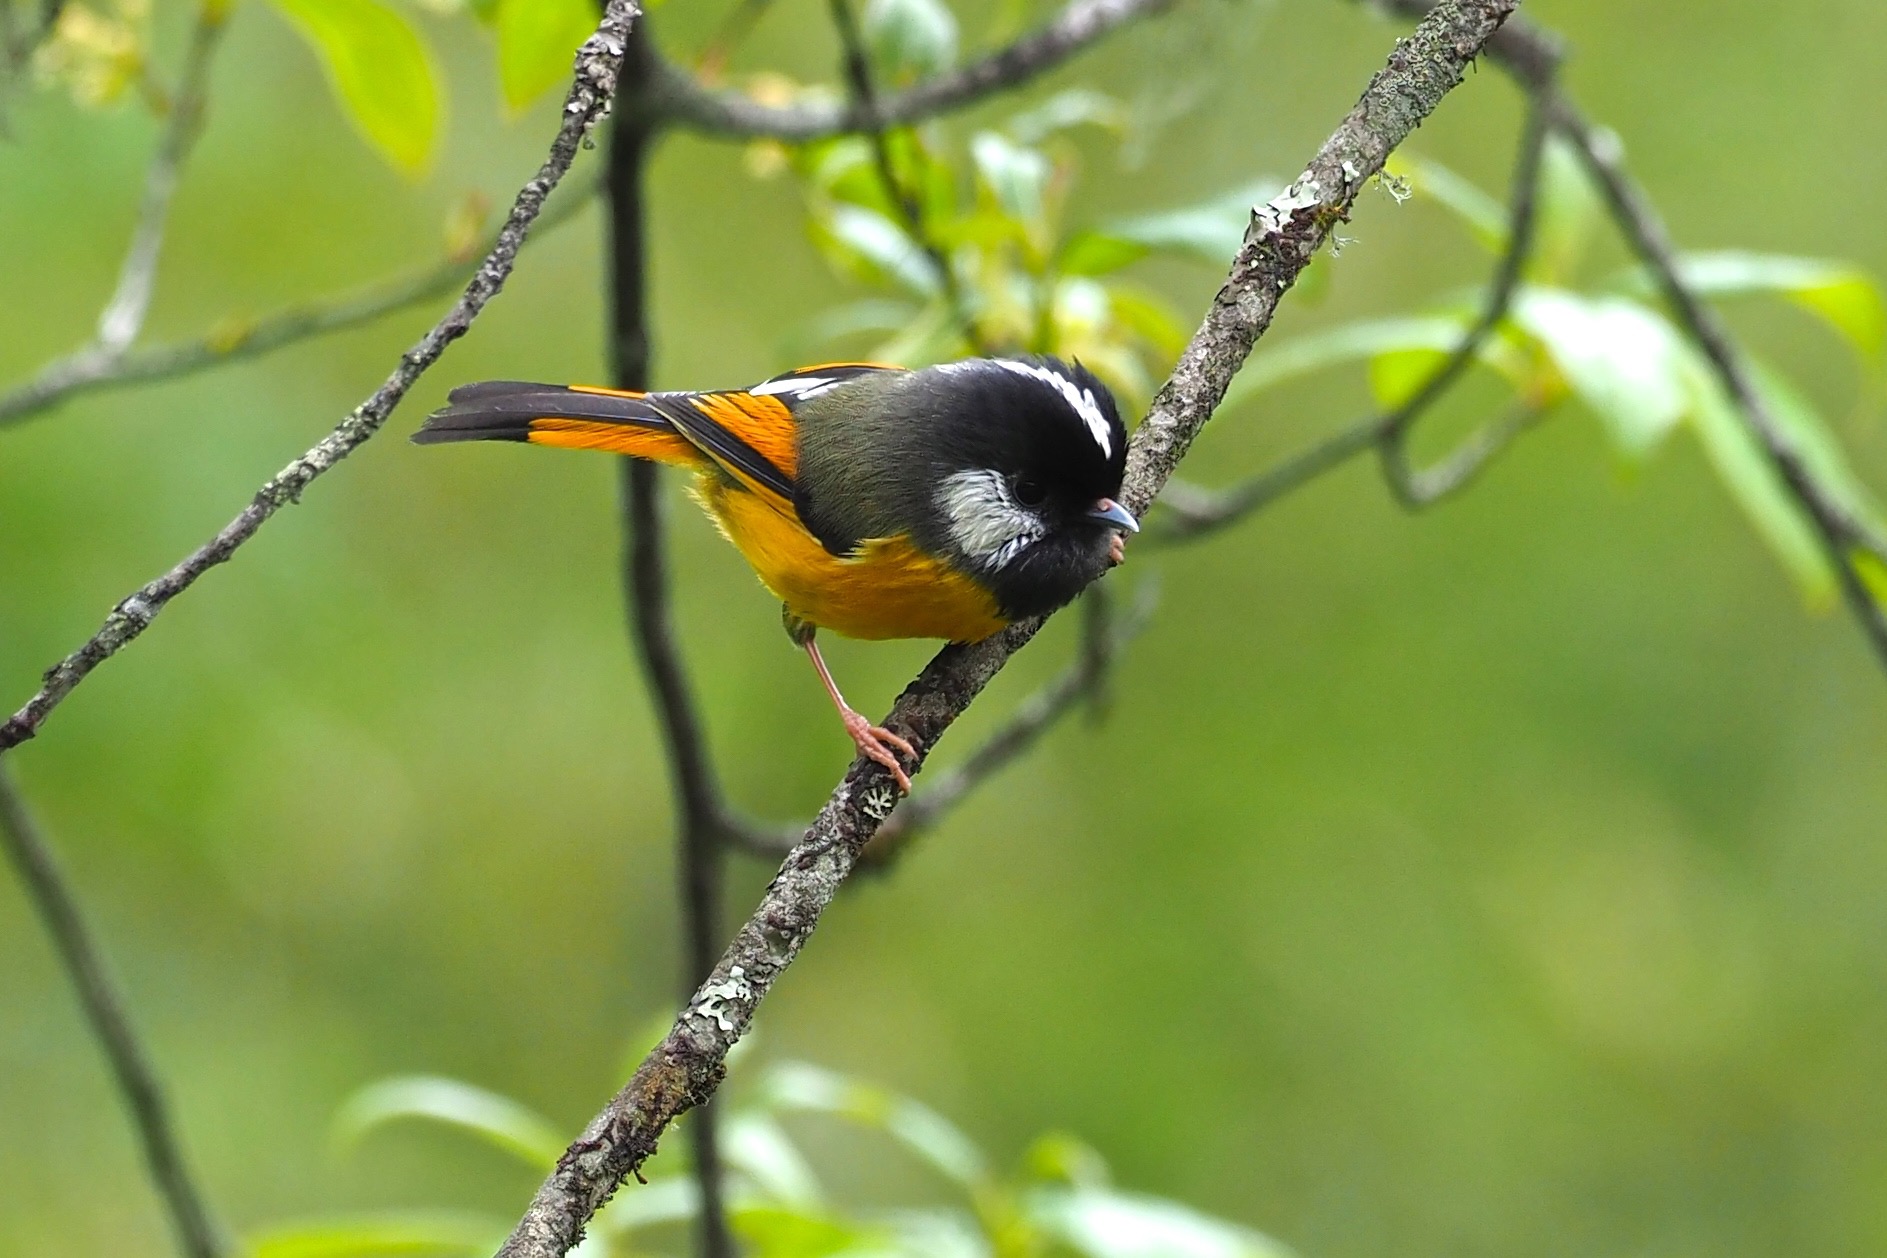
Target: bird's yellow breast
(889, 589)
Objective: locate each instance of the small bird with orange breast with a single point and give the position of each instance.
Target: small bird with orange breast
(944, 502)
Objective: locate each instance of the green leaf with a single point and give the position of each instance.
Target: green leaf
(537, 44)
(1347, 342)
(1091, 252)
(498, 1120)
(1147, 316)
(1210, 230)
(1844, 296)
(1102, 1223)
(1016, 176)
(1746, 471)
(797, 1086)
(770, 1232)
(671, 1200)
(1566, 211)
(1059, 1158)
(1621, 359)
(1809, 432)
(1872, 570)
(379, 70)
(757, 1146)
(393, 1232)
(911, 39)
(1065, 111)
(1485, 217)
(867, 238)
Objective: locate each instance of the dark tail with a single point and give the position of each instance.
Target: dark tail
(574, 416)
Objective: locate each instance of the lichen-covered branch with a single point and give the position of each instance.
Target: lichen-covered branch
(686, 1068)
(86, 372)
(680, 99)
(106, 1012)
(596, 66)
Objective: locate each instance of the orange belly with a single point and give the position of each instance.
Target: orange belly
(889, 589)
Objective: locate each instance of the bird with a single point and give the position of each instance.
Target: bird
(875, 501)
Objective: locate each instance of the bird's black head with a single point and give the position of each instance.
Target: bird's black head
(1027, 458)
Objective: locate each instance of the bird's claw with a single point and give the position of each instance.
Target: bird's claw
(881, 746)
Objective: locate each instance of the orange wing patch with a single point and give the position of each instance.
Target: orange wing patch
(764, 423)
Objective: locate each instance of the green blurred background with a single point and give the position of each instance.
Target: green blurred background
(1505, 880)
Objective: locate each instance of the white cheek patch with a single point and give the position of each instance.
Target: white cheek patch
(990, 526)
(1080, 401)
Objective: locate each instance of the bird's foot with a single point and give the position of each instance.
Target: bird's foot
(881, 746)
(1116, 550)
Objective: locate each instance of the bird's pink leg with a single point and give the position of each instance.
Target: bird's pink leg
(874, 742)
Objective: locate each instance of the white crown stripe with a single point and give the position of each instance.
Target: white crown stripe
(794, 384)
(1080, 400)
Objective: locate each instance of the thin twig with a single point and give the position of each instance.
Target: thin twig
(123, 316)
(646, 595)
(588, 101)
(1420, 487)
(735, 116)
(1644, 230)
(107, 1012)
(1194, 511)
(87, 371)
(687, 1066)
(904, 202)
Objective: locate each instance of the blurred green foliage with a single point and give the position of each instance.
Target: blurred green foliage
(1503, 881)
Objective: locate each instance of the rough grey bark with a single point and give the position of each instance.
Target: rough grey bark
(686, 1068)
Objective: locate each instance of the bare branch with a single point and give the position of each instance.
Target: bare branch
(124, 314)
(1417, 488)
(685, 1069)
(699, 831)
(596, 65)
(678, 97)
(106, 1011)
(88, 370)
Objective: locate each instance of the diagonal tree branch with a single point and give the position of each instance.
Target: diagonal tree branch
(85, 372)
(678, 97)
(106, 1011)
(596, 65)
(686, 1068)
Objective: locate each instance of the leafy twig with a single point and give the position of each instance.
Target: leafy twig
(84, 372)
(1531, 56)
(105, 1009)
(588, 101)
(904, 202)
(686, 1068)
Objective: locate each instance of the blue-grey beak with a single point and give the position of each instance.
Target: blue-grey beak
(1113, 515)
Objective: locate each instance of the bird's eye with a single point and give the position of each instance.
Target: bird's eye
(1030, 492)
